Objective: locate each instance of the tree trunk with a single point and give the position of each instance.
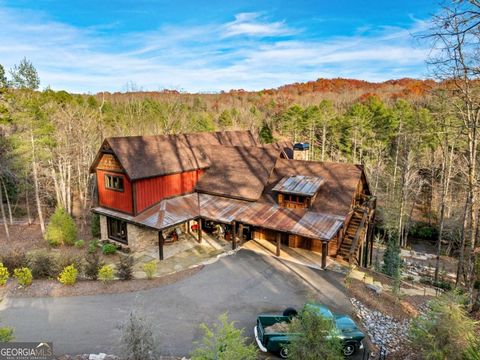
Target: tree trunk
(324, 140)
(8, 203)
(37, 187)
(4, 217)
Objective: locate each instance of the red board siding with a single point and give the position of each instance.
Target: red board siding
(118, 200)
(152, 190)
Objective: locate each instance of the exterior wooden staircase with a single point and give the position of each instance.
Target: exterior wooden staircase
(349, 235)
(352, 245)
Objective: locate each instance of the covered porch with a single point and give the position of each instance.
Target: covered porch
(300, 256)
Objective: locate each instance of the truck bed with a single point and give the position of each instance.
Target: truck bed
(263, 338)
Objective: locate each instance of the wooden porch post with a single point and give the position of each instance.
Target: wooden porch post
(234, 235)
(161, 240)
(360, 253)
(279, 240)
(199, 235)
(240, 233)
(324, 254)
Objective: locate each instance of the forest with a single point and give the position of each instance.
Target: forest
(417, 139)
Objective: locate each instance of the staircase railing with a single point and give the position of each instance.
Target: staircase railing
(344, 229)
(360, 228)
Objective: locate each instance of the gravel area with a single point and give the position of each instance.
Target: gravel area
(383, 330)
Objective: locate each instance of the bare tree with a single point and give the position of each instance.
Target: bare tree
(455, 60)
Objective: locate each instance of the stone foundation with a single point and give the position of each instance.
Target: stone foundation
(141, 239)
(103, 228)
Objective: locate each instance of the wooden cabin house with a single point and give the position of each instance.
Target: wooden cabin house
(149, 184)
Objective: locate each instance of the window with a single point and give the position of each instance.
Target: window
(113, 182)
(117, 230)
(294, 198)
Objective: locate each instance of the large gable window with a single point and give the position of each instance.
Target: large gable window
(117, 230)
(114, 182)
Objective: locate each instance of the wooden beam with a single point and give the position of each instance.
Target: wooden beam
(199, 234)
(161, 241)
(240, 233)
(279, 240)
(324, 254)
(234, 235)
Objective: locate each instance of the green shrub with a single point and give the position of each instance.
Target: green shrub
(472, 352)
(93, 246)
(314, 342)
(125, 268)
(224, 342)
(137, 341)
(150, 269)
(109, 249)
(4, 275)
(68, 276)
(95, 225)
(14, 259)
(92, 265)
(65, 259)
(6, 334)
(423, 231)
(61, 229)
(23, 276)
(105, 274)
(79, 244)
(443, 332)
(43, 265)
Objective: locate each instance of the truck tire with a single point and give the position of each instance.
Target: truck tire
(283, 353)
(349, 349)
(290, 312)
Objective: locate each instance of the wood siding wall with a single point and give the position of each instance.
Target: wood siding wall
(152, 190)
(112, 199)
(297, 241)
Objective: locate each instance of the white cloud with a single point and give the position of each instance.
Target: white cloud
(250, 24)
(249, 53)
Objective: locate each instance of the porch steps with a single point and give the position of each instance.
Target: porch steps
(344, 250)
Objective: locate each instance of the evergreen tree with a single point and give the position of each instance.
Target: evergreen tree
(95, 226)
(392, 262)
(61, 229)
(445, 331)
(3, 78)
(25, 76)
(265, 134)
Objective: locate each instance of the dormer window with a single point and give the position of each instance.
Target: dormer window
(297, 191)
(114, 182)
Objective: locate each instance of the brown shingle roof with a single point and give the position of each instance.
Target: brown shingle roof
(148, 156)
(337, 191)
(238, 172)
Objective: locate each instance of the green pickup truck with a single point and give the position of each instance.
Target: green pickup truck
(275, 342)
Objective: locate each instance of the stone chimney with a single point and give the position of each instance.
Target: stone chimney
(301, 151)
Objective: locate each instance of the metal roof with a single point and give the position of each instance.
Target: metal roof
(174, 211)
(165, 214)
(299, 185)
(295, 221)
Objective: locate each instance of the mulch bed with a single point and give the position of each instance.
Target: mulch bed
(405, 308)
(52, 288)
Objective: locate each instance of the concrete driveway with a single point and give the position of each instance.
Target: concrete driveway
(244, 284)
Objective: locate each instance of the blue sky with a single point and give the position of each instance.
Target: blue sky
(208, 46)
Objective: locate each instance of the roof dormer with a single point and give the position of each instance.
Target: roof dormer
(297, 191)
